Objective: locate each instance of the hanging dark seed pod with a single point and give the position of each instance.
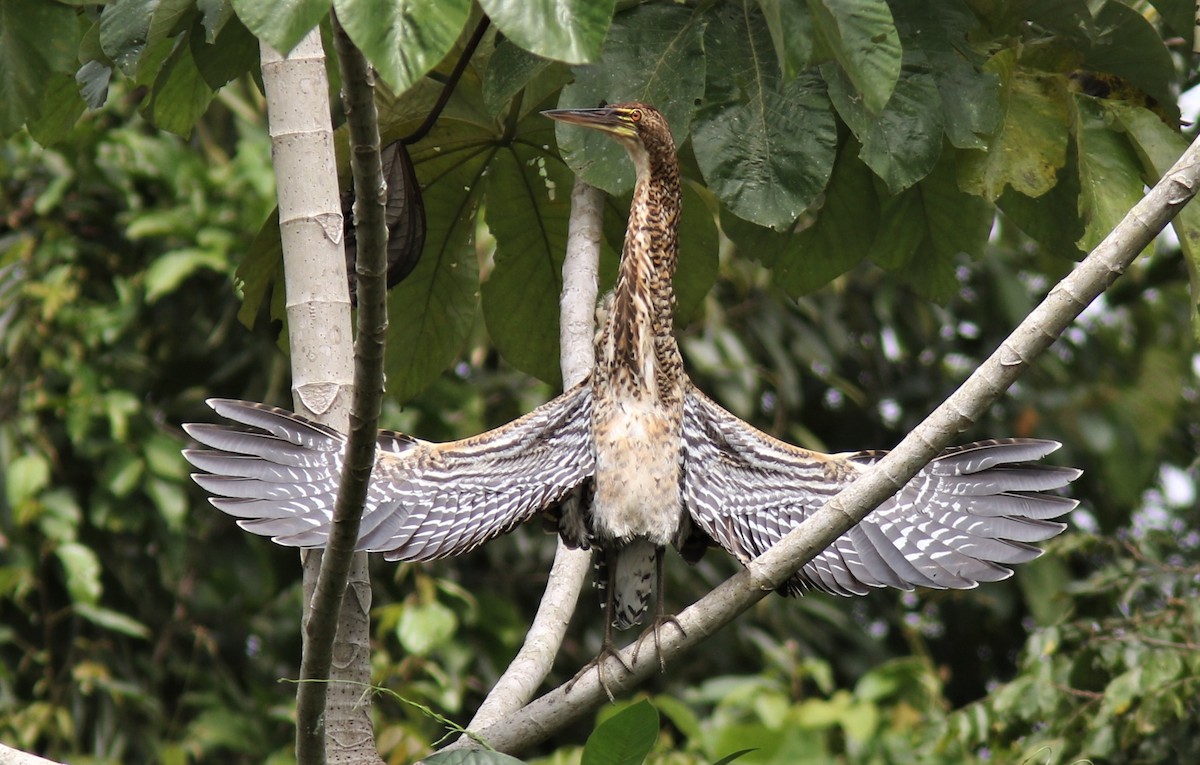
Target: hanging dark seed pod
(404, 217)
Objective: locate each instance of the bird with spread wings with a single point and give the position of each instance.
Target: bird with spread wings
(635, 458)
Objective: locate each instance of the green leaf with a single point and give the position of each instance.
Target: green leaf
(170, 500)
(969, 97)
(281, 23)
(861, 35)
(25, 477)
(1030, 143)
(734, 756)
(180, 94)
(681, 715)
(169, 271)
(83, 572)
(508, 71)
(112, 620)
(60, 516)
(841, 236)
(699, 250)
(654, 54)
(93, 78)
(769, 160)
(567, 30)
(1120, 694)
(1158, 147)
(623, 739)
(791, 27)
(432, 311)
(231, 55)
(1179, 15)
(1052, 218)
(169, 19)
(425, 627)
(215, 14)
(528, 193)
(60, 109)
(1129, 46)
(924, 230)
(124, 32)
(766, 147)
(902, 142)
(37, 39)
(1110, 182)
(403, 39)
(260, 269)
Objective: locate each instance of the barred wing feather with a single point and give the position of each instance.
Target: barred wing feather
(425, 500)
(967, 515)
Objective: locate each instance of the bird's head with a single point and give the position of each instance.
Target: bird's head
(639, 127)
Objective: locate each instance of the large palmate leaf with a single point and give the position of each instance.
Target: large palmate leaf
(765, 146)
(653, 54)
(403, 39)
(432, 311)
(1030, 143)
(528, 207)
(1110, 178)
(281, 23)
(37, 39)
(1158, 147)
(842, 234)
(566, 30)
(923, 230)
(861, 36)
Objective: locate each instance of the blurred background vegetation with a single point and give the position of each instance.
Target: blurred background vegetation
(137, 624)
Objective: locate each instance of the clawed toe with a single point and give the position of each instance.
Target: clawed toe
(606, 652)
(659, 622)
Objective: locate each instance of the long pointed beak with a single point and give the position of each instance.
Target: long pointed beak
(604, 118)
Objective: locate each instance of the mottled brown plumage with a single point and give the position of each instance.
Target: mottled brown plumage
(638, 382)
(636, 458)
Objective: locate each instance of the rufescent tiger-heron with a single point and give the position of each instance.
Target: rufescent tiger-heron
(643, 459)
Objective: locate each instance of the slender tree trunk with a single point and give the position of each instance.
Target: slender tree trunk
(318, 313)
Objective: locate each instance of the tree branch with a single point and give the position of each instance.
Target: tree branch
(10, 756)
(577, 328)
(358, 88)
(553, 711)
(318, 311)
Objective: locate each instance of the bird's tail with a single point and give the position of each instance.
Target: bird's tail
(630, 571)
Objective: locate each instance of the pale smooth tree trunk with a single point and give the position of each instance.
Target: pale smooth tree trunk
(318, 313)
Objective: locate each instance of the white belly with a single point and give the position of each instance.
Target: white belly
(637, 472)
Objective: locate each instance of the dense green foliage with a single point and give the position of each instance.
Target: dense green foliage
(876, 193)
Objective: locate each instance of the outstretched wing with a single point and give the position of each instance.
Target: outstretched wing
(425, 500)
(959, 521)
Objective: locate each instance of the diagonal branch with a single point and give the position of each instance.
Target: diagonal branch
(577, 319)
(560, 707)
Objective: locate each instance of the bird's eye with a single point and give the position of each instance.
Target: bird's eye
(636, 115)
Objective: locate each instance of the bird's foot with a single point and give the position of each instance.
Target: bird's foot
(655, 627)
(607, 651)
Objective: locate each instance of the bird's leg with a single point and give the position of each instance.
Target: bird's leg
(661, 617)
(608, 648)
